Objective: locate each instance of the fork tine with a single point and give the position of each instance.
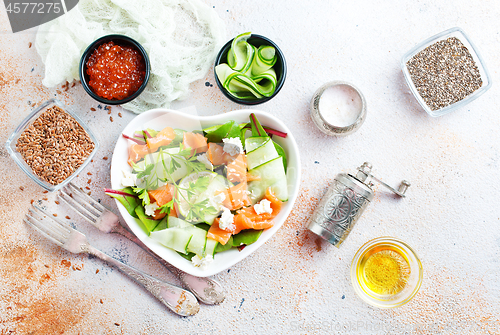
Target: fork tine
(86, 196)
(38, 227)
(84, 212)
(51, 223)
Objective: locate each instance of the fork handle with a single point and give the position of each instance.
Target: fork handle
(207, 290)
(180, 301)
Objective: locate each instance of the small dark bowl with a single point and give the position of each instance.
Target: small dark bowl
(279, 67)
(122, 41)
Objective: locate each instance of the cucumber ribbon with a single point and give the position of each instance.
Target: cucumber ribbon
(249, 73)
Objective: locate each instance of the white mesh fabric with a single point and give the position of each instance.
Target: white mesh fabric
(181, 38)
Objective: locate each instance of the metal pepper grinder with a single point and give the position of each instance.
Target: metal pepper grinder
(344, 202)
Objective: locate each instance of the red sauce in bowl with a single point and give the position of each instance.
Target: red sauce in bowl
(115, 72)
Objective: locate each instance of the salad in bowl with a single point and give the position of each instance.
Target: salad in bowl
(205, 192)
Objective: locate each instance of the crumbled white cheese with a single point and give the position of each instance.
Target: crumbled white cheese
(204, 159)
(202, 263)
(264, 206)
(129, 179)
(151, 208)
(232, 146)
(219, 198)
(226, 220)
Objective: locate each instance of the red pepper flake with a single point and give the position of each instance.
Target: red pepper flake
(58, 92)
(57, 202)
(89, 173)
(111, 118)
(117, 324)
(46, 266)
(89, 181)
(92, 161)
(21, 188)
(109, 112)
(97, 271)
(73, 85)
(32, 201)
(54, 214)
(101, 301)
(89, 193)
(67, 217)
(45, 191)
(105, 158)
(120, 114)
(45, 199)
(29, 45)
(88, 188)
(92, 109)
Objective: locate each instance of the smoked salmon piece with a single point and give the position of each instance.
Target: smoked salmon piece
(220, 235)
(247, 218)
(136, 152)
(236, 197)
(237, 169)
(162, 195)
(164, 137)
(196, 142)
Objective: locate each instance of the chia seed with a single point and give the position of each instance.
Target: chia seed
(444, 73)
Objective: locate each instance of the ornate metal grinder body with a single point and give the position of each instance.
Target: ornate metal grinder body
(344, 202)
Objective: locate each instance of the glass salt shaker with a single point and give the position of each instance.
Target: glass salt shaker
(344, 202)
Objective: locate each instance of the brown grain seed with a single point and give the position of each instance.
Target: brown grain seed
(109, 112)
(111, 118)
(45, 199)
(89, 181)
(54, 214)
(101, 301)
(117, 324)
(32, 201)
(120, 114)
(105, 158)
(67, 217)
(92, 109)
(97, 271)
(21, 188)
(45, 191)
(29, 45)
(89, 173)
(57, 202)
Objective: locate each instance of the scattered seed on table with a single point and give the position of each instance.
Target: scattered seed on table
(45, 199)
(46, 266)
(111, 118)
(120, 114)
(92, 109)
(105, 158)
(89, 181)
(29, 45)
(117, 324)
(88, 188)
(67, 217)
(97, 271)
(58, 92)
(89, 173)
(21, 188)
(54, 214)
(45, 191)
(57, 202)
(73, 85)
(101, 299)
(444, 73)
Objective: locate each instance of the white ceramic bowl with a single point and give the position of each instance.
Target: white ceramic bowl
(160, 118)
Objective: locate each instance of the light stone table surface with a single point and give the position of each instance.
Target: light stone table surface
(295, 283)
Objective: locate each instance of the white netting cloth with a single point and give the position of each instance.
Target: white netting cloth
(181, 38)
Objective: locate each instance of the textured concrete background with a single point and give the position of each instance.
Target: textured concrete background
(295, 283)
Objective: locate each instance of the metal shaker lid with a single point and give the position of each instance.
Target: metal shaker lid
(365, 176)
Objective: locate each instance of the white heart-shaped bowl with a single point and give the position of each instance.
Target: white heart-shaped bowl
(158, 119)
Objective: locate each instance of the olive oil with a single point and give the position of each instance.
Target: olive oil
(384, 270)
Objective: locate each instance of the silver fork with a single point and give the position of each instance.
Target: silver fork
(180, 301)
(205, 289)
